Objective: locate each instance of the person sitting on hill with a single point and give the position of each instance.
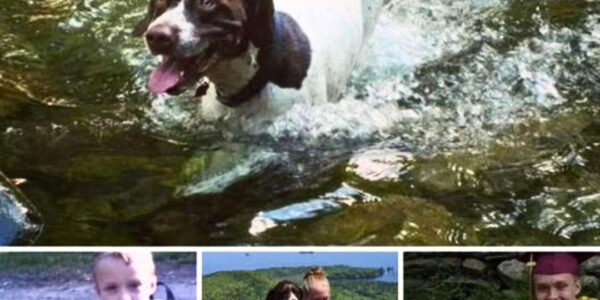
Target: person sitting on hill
(315, 285)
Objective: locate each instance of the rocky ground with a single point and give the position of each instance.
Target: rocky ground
(77, 284)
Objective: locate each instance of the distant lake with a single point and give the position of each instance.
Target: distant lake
(229, 261)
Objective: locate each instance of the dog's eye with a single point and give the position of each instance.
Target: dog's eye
(161, 5)
(207, 4)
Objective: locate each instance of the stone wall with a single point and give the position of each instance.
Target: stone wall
(484, 270)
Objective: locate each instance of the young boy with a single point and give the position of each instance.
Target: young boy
(556, 276)
(124, 275)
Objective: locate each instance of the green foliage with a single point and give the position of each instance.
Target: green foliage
(254, 285)
(333, 273)
(363, 290)
(456, 292)
(236, 285)
(453, 284)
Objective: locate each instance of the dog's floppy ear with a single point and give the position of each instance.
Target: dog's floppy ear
(300, 293)
(142, 25)
(272, 295)
(260, 17)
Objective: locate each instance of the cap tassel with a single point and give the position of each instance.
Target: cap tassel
(530, 265)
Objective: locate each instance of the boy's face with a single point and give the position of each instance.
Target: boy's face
(116, 280)
(556, 287)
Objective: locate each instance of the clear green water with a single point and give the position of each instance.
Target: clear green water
(479, 120)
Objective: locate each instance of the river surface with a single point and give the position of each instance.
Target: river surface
(468, 122)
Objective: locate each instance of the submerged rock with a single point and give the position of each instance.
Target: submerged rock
(345, 196)
(20, 222)
(211, 172)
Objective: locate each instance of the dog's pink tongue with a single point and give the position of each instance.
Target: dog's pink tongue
(165, 76)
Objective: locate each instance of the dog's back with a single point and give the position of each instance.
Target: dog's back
(337, 30)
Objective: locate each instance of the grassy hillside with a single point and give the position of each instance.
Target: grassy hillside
(347, 283)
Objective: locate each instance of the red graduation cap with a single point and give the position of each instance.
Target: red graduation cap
(556, 263)
(552, 263)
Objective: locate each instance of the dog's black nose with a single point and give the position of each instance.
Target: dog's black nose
(161, 39)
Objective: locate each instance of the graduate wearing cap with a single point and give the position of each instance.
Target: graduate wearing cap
(555, 276)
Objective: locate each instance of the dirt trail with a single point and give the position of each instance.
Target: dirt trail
(77, 284)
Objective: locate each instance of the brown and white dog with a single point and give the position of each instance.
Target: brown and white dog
(260, 55)
(285, 290)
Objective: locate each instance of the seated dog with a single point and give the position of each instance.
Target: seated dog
(285, 290)
(260, 55)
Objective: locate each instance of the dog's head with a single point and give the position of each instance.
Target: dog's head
(191, 35)
(285, 290)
